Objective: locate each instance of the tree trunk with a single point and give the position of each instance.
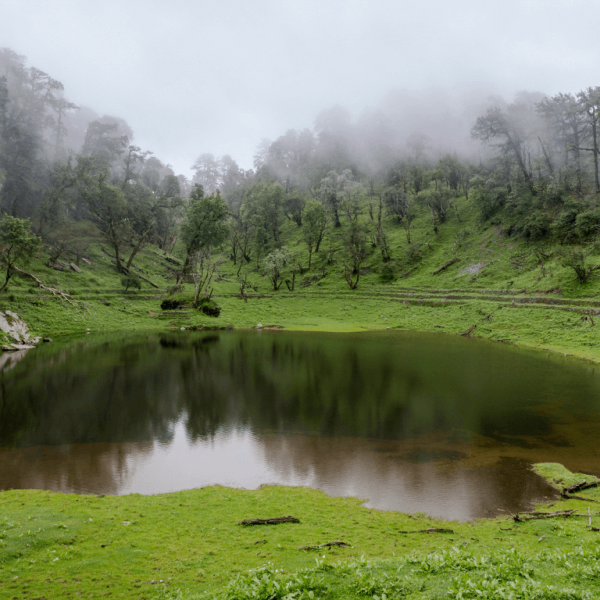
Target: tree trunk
(8, 276)
(184, 269)
(139, 245)
(595, 152)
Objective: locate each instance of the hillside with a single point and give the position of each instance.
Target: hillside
(497, 284)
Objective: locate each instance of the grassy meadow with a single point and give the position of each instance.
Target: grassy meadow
(189, 545)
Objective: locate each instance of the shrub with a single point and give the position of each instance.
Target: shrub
(131, 281)
(208, 307)
(176, 301)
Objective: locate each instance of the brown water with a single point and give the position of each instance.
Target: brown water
(412, 422)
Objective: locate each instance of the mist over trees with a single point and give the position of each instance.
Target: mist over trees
(530, 165)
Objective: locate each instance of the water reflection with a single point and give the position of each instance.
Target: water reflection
(412, 422)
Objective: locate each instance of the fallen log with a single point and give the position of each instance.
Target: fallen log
(126, 270)
(534, 516)
(446, 265)
(430, 530)
(273, 521)
(56, 292)
(571, 497)
(327, 545)
(407, 273)
(583, 485)
(469, 331)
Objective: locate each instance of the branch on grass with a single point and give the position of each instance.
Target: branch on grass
(327, 545)
(446, 265)
(62, 295)
(273, 521)
(430, 530)
(534, 516)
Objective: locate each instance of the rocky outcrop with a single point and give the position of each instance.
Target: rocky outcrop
(14, 333)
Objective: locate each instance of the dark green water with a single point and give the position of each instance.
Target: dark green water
(414, 422)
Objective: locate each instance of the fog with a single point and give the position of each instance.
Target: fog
(191, 77)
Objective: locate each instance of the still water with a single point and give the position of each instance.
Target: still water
(411, 422)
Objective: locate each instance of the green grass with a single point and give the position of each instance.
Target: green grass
(54, 545)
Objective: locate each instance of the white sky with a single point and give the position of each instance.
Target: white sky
(192, 76)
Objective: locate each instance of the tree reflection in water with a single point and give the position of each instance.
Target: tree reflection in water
(412, 421)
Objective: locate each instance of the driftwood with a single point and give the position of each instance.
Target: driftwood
(273, 521)
(469, 331)
(534, 516)
(430, 530)
(327, 545)
(62, 295)
(446, 265)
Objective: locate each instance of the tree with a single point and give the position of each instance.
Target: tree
(577, 258)
(274, 265)
(314, 224)
(168, 211)
(107, 208)
(293, 205)
(206, 172)
(589, 101)
(496, 125)
(262, 207)
(355, 242)
(103, 142)
(17, 245)
(132, 281)
(331, 192)
(569, 122)
(399, 205)
(202, 273)
(204, 226)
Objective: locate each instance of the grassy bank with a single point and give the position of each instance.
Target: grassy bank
(56, 545)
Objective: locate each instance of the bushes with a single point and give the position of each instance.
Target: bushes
(131, 281)
(176, 301)
(180, 300)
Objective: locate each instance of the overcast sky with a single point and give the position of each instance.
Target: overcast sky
(193, 76)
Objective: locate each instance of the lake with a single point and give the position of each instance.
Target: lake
(410, 421)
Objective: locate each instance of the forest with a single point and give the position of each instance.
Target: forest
(69, 178)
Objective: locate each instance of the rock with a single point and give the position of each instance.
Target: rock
(13, 326)
(22, 346)
(259, 326)
(86, 261)
(75, 268)
(105, 302)
(47, 340)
